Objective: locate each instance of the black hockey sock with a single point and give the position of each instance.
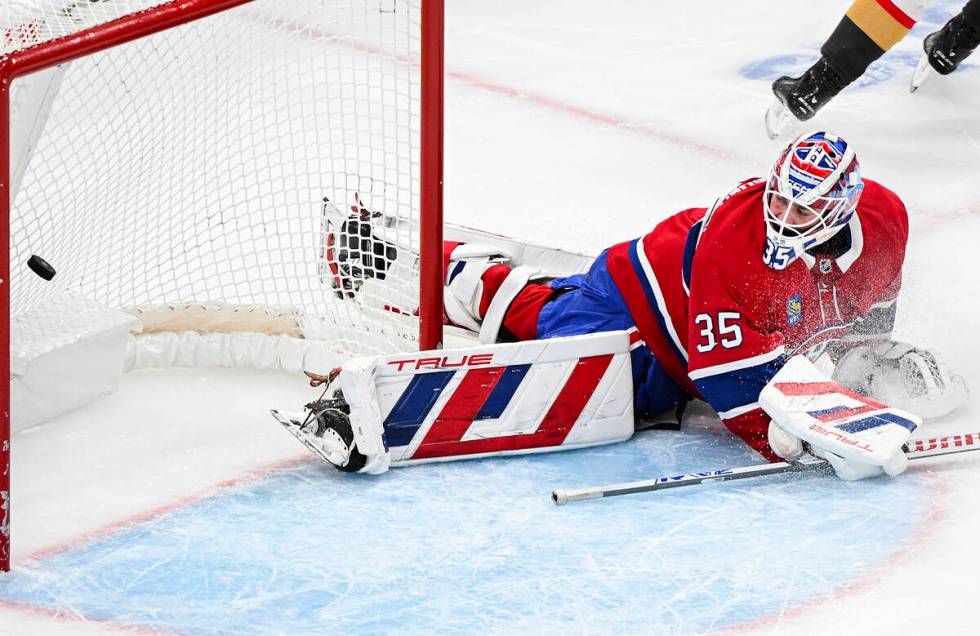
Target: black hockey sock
(850, 51)
(971, 13)
(864, 34)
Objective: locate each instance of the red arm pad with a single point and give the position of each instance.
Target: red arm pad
(753, 427)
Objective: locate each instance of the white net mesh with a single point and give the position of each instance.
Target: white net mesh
(192, 165)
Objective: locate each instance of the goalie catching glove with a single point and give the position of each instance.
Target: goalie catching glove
(858, 436)
(903, 376)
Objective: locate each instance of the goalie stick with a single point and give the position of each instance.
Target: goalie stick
(914, 449)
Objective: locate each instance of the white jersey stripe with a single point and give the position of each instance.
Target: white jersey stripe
(738, 410)
(658, 294)
(744, 363)
(821, 335)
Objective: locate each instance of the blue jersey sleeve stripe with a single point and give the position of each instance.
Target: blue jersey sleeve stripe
(688, 262)
(777, 354)
(501, 395)
(653, 301)
(413, 406)
(727, 391)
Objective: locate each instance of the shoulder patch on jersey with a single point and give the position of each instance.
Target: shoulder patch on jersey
(794, 309)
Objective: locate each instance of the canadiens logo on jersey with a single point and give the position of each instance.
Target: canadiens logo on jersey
(794, 309)
(813, 161)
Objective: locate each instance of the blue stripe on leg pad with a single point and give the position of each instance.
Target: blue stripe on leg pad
(502, 394)
(413, 406)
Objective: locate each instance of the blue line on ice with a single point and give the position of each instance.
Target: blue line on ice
(896, 62)
(478, 546)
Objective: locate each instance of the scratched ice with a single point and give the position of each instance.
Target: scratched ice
(479, 546)
(580, 124)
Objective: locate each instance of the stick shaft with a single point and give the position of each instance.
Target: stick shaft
(677, 481)
(948, 445)
(915, 449)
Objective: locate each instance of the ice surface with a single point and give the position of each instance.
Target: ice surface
(478, 546)
(177, 506)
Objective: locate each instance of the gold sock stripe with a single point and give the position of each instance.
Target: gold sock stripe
(881, 21)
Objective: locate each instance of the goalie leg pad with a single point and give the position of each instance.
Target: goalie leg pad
(466, 299)
(357, 383)
(523, 397)
(464, 283)
(516, 281)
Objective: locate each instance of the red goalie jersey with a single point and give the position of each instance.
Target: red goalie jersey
(722, 322)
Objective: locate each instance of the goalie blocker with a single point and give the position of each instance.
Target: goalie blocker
(501, 399)
(857, 435)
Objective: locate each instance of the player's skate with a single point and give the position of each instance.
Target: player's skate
(801, 97)
(367, 255)
(325, 428)
(945, 50)
(360, 248)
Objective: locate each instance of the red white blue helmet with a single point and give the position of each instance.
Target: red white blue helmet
(819, 173)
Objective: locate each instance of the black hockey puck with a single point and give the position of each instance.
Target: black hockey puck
(40, 267)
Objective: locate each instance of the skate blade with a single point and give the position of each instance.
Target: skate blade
(293, 430)
(778, 119)
(923, 72)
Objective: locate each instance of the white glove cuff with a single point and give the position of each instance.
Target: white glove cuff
(784, 444)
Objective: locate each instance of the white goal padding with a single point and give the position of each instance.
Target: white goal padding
(64, 353)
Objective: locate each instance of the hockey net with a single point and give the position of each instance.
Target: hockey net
(253, 167)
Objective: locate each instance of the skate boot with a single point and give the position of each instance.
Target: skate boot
(324, 428)
(353, 248)
(945, 50)
(801, 97)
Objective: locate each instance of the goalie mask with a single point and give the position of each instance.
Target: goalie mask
(812, 192)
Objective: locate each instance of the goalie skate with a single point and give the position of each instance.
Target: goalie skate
(363, 256)
(325, 429)
(365, 253)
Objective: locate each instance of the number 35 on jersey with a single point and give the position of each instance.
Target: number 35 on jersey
(722, 329)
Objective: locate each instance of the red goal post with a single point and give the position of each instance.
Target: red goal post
(390, 128)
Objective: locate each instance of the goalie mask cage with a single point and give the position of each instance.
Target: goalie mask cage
(168, 152)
